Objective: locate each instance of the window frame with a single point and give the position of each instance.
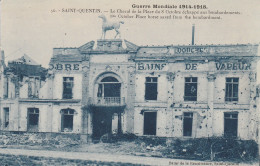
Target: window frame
(67, 89)
(6, 123)
(32, 111)
(109, 80)
(6, 87)
(228, 97)
(67, 112)
(151, 82)
(232, 116)
(190, 98)
(34, 85)
(189, 115)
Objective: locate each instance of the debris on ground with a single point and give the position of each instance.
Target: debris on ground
(35, 139)
(214, 149)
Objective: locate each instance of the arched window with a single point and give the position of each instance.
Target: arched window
(109, 87)
(109, 79)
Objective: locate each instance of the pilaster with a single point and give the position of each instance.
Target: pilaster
(85, 94)
(253, 116)
(129, 110)
(210, 100)
(170, 126)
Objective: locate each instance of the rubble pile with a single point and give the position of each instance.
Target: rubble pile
(39, 139)
(214, 148)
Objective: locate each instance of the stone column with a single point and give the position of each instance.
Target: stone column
(119, 123)
(210, 101)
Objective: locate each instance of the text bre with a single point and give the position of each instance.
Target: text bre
(67, 67)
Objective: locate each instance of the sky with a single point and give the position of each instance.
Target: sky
(30, 27)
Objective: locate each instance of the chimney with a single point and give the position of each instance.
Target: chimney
(193, 31)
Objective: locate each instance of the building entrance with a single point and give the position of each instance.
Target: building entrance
(107, 102)
(102, 122)
(150, 123)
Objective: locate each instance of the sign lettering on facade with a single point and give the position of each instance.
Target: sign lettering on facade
(191, 50)
(222, 66)
(67, 67)
(150, 66)
(233, 66)
(191, 66)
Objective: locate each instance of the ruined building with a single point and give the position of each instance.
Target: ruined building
(188, 91)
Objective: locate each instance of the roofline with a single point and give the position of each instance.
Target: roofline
(211, 45)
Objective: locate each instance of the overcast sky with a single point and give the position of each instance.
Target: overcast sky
(29, 27)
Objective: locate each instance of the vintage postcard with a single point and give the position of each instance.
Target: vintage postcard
(140, 82)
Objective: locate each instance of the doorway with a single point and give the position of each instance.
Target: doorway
(102, 122)
(150, 123)
(230, 124)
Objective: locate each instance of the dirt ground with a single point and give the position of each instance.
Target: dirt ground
(124, 148)
(10, 160)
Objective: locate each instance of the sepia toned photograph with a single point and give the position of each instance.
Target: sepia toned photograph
(142, 82)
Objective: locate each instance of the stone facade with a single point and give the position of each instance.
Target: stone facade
(167, 91)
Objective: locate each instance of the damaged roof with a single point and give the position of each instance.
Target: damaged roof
(25, 59)
(25, 66)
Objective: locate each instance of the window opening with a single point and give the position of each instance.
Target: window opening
(190, 93)
(151, 88)
(6, 88)
(67, 120)
(231, 89)
(33, 87)
(67, 87)
(33, 119)
(6, 117)
(109, 90)
(187, 124)
(230, 124)
(109, 79)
